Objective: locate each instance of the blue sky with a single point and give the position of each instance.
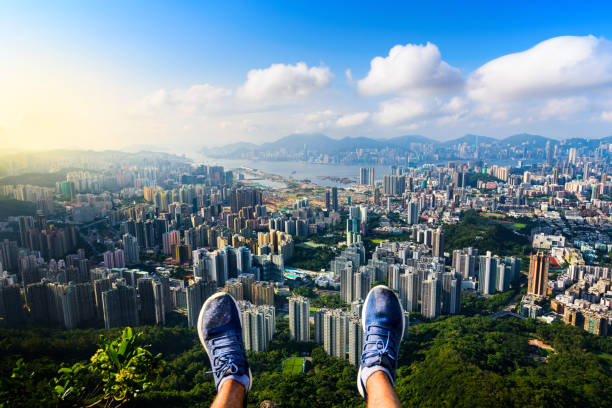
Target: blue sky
(105, 74)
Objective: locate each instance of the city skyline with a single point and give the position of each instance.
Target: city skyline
(102, 76)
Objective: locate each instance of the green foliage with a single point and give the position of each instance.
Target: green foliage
(471, 179)
(485, 235)
(13, 208)
(477, 304)
(35, 179)
(452, 362)
(117, 373)
(328, 300)
(313, 259)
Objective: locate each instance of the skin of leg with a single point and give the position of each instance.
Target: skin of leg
(230, 395)
(380, 392)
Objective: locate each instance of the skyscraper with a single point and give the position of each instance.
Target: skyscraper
(538, 275)
(366, 176)
(299, 318)
(334, 198)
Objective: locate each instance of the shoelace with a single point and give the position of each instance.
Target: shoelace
(227, 360)
(381, 348)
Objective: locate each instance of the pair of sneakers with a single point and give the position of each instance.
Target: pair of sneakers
(220, 331)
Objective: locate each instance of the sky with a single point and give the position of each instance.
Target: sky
(187, 75)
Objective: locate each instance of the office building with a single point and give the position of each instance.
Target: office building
(334, 198)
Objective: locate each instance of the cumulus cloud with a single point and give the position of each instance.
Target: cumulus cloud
(284, 82)
(352, 119)
(398, 110)
(555, 67)
(563, 108)
(410, 69)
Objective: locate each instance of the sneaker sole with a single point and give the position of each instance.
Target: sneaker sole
(201, 318)
(360, 386)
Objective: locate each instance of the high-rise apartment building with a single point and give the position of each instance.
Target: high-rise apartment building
(234, 288)
(438, 243)
(430, 298)
(538, 275)
(413, 213)
(299, 318)
(196, 294)
(262, 293)
(131, 249)
(409, 291)
(355, 340)
(120, 307)
(366, 176)
(258, 325)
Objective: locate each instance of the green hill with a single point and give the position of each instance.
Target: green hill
(453, 362)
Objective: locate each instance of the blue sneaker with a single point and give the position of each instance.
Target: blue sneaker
(382, 319)
(220, 331)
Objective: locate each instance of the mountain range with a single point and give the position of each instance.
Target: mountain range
(321, 143)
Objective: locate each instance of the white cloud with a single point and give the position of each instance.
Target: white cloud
(353, 119)
(555, 67)
(349, 75)
(411, 69)
(606, 116)
(281, 82)
(188, 100)
(563, 108)
(398, 110)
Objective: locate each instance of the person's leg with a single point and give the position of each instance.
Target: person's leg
(220, 331)
(231, 394)
(380, 391)
(382, 320)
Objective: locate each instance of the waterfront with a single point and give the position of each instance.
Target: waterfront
(327, 175)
